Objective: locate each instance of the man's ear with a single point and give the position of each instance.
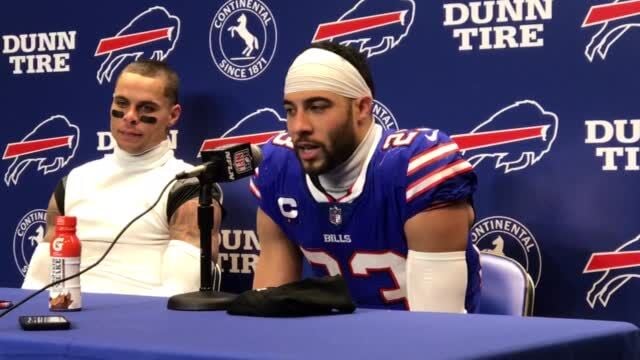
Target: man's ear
(364, 106)
(176, 110)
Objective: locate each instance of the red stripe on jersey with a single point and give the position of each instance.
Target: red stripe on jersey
(254, 189)
(346, 195)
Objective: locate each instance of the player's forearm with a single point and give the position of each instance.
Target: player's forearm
(275, 271)
(437, 281)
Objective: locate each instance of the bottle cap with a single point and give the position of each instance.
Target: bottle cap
(66, 221)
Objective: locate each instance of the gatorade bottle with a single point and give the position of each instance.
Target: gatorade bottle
(65, 262)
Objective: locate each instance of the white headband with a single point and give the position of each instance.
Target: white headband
(319, 69)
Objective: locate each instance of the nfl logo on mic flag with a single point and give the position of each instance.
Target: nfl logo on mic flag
(242, 161)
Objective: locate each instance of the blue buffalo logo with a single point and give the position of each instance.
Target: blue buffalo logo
(618, 267)
(51, 145)
(153, 34)
(615, 19)
(502, 136)
(373, 26)
(256, 128)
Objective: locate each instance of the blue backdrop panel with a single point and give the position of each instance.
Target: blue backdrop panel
(540, 94)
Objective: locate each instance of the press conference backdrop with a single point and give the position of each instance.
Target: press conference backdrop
(541, 95)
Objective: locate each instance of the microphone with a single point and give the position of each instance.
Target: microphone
(226, 163)
(222, 164)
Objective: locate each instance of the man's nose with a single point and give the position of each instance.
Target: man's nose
(299, 124)
(131, 116)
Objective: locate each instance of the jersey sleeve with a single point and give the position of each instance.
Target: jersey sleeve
(263, 184)
(435, 173)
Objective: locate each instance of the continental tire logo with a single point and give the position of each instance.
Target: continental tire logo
(29, 233)
(504, 236)
(242, 39)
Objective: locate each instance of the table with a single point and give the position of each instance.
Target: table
(138, 327)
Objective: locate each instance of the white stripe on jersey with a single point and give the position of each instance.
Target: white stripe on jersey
(427, 157)
(436, 177)
(254, 189)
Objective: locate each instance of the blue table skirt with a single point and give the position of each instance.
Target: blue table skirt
(128, 327)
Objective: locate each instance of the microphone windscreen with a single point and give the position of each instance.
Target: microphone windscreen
(256, 154)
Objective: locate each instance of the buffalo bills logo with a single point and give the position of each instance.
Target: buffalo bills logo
(514, 147)
(374, 26)
(242, 39)
(256, 128)
(50, 146)
(615, 18)
(502, 137)
(619, 266)
(151, 35)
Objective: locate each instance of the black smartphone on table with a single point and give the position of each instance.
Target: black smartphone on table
(44, 322)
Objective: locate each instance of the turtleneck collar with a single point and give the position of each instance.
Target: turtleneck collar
(148, 159)
(338, 181)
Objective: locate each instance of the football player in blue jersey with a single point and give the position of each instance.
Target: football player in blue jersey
(388, 210)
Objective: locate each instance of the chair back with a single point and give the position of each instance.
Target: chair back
(507, 288)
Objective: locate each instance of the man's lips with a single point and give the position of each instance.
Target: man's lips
(129, 134)
(307, 150)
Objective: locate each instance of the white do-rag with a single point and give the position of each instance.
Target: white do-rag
(319, 69)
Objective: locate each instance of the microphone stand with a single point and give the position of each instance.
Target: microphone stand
(205, 299)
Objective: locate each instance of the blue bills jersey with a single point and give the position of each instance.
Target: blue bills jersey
(361, 235)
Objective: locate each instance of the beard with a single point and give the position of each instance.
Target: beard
(342, 141)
